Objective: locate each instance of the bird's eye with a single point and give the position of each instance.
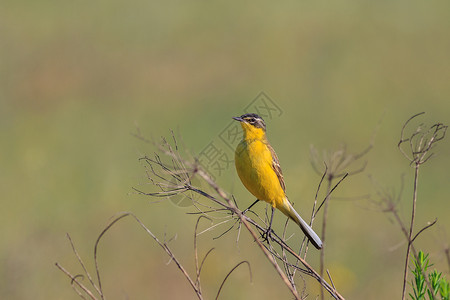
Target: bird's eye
(252, 120)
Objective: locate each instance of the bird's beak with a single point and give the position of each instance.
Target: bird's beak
(238, 119)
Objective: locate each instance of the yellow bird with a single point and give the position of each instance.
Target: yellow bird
(259, 170)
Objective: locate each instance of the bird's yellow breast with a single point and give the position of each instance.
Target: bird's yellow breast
(254, 166)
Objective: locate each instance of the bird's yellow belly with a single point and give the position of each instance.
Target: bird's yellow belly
(254, 166)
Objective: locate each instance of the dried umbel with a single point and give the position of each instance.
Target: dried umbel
(417, 146)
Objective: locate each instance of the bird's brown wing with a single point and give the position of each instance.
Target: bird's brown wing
(276, 167)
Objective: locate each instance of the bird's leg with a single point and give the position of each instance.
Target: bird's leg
(248, 208)
(267, 234)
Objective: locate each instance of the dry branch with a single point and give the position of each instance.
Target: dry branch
(195, 284)
(182, 170)
(418, 148)
(172, 175)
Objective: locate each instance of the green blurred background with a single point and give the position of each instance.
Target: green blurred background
(77, 76)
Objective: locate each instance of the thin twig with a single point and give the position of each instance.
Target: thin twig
(330, 192)
(82, 264)
(423, 229)
(331, 280)
(74, 281)
(229, 273)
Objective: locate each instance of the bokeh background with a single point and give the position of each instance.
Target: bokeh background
(77, 77)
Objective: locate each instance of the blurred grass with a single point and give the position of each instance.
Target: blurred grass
(75, 77)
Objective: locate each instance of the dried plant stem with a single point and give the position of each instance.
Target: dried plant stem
(229, 273)
(243, 219)
(247, 221)
(416, 148)
(74, 282)
(403, 228)
(83, 265)
(337, 164)
(169, 252)
(410, 240)
(310, 271)
(174, 178)
(447, 255)
(195, 284)
(324, 227)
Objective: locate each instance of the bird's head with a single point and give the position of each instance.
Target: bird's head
(253, 126)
